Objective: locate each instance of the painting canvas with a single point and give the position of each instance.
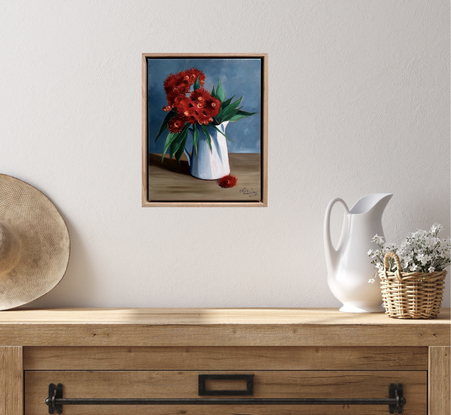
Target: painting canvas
(204, 130)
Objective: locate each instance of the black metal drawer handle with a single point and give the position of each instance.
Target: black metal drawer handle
(55, 401)
(249, 391)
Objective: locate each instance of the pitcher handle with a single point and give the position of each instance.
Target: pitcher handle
(188, 156)
(330, 249)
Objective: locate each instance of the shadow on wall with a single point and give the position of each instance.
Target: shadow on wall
(79, 274)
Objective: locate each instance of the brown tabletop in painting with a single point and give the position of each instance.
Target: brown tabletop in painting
(169, 181)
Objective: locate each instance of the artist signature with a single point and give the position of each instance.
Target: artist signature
(249, 192)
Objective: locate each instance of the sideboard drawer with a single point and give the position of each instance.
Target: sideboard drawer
(266, 384)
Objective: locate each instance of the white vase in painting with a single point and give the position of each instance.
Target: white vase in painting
(210, 163)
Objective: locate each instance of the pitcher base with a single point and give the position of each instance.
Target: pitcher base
(348, 308)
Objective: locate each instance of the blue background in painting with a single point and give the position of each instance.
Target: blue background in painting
(239, 77)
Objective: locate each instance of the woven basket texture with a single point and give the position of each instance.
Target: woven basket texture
(411, 294)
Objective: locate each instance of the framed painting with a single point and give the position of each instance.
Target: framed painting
(205, 130)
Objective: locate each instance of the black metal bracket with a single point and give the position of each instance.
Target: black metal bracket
(396, 392)
(55, 400)
(55, 392)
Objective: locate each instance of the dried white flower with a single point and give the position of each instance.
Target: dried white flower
(436, 228)
(378, 239)
(421, 251)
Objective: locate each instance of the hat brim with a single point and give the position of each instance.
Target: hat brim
(44, 238)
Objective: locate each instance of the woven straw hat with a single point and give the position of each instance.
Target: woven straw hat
(34, 243)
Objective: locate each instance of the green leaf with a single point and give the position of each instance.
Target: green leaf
(218, 118)
(235, 104)
(241, 114)
(229, 115)
(164, 124)
(226, 103)
(195, 138)
(173, 148)
(224, 106)
(220, 92)
(246, 114)
(197, 83)
(213, 93)
(181, 149)
(207, 135)
(219, 131)
(175, 145)
(231, 110)
(237, 117)
(169, 139)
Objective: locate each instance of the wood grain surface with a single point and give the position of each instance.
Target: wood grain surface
(11, 381)
(439, 380)
(225, 358)
(169, 181)
(213, 316)
(181, 340)
(217, 327)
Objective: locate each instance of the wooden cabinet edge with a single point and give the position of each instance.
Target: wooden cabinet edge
(221, 335)
(11, 380)
(439, 402)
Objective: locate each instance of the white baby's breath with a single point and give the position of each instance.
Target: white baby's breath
(436, 228)
(378, 239)
(421, 251)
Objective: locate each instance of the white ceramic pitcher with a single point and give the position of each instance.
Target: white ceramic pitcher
(349, 266)
(210, 163)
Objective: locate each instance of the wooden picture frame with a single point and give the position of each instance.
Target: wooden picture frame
(174, 176)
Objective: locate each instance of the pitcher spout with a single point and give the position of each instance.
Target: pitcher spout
(371, 204)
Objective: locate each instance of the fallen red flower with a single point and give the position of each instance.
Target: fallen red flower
(227, 181)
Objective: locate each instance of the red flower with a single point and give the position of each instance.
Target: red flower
(200, 96)
(193, 74)
(205, 105)
(182, 103)
(181, 82)
(182, 87)
(203, 117)
(213, 106)
(170, 83)
(199, 107)
(185, 108)
(227, 181)
(171, 98)
(176, 124)
(176, 85)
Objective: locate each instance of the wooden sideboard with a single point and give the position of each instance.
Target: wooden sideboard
(279, 354)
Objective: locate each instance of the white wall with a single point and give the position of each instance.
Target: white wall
(358, 103)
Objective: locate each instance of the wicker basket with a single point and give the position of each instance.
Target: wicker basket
(411, 294)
